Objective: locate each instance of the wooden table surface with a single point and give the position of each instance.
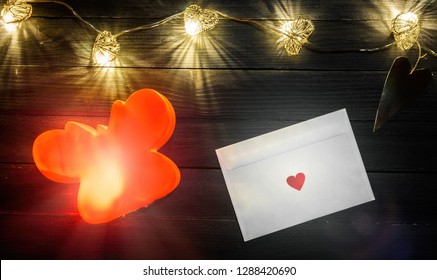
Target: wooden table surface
(231, 84)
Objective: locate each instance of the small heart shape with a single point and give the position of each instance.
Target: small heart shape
(406, 30)
(106, 48)
(297, 181)
(401, 87)
(16, 11)
(297, 31)
(209, 19)
(198, 20)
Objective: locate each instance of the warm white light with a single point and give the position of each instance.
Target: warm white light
(15, 11)
(295, 34)
(101, 59)
(11, 27)
(7, 17)
(192, 27)
(406, 30)
(106, 48)
(198, 20)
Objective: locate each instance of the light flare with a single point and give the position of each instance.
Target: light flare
(295, 34)
(106, 179)
(406, 30)
(15, 11)
(106, 49)
(198, 20)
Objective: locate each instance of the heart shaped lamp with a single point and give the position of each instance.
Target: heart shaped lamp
(295, 35)
(106, 48)
(198, 20)
(16, 11)
(401, 87)
(406, 30)
(118, 166)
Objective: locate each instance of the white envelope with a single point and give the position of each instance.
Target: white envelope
(259, 174)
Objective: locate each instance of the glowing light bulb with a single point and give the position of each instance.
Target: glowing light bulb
(7, 17)
(198, 20)
(106, 48)
(192, 27)
(11, 27)
(15, 11)
(406, 30)
(295, 34)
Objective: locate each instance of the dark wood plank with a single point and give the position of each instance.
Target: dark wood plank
(398, 146)
(405, 198)
(67, 42)
(233, 84)
(316, 9)
(67, 237)
(204, 93)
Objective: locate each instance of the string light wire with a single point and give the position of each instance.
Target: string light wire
(419, 57)
(318, 49)
(405, 28)
(429, 51)
(69, 8)
(260, 24)
(151, 25)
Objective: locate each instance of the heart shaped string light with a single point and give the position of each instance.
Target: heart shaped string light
(406, 30)
(15, 11)
(403, 82)
(106, 48)
(198, 20)
(295, 35)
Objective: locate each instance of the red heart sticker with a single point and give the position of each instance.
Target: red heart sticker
(297, 181)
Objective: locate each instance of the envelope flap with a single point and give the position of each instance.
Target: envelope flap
(283, 140)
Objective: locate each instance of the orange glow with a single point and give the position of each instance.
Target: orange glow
(118, 166)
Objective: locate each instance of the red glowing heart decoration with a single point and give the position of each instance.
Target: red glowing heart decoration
(296, 182)
(118, 166)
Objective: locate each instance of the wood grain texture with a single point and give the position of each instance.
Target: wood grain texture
(138, 237)
(399, 147)
(401, 198)
(259, 9)
(231, 84)
(266, 94)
